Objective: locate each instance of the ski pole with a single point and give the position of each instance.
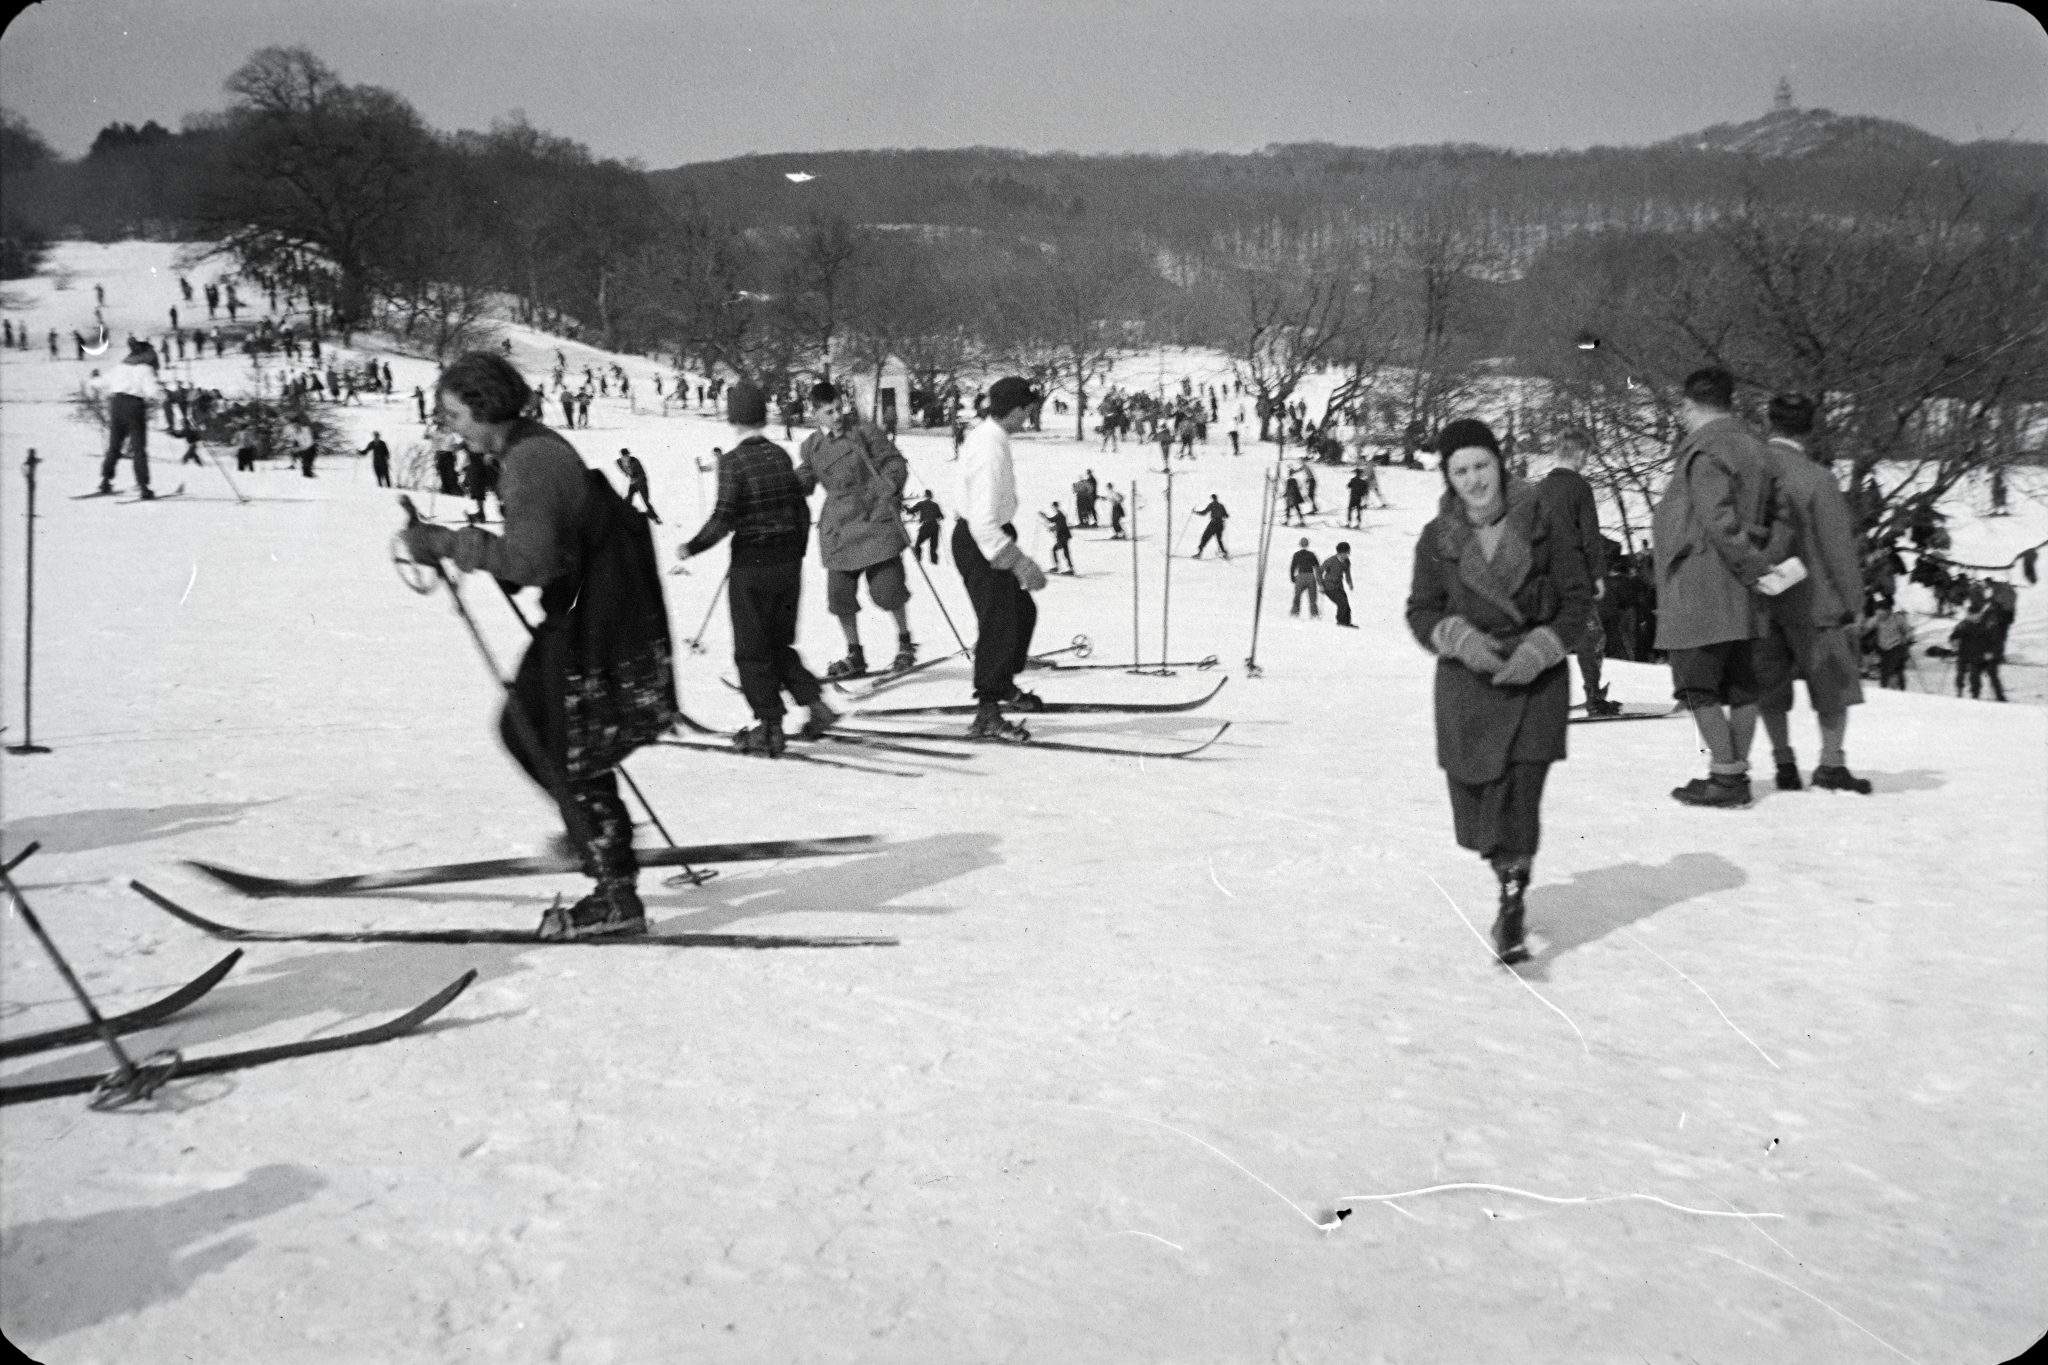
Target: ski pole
(1134, 576)
(932, 588)
(696, 642)
(128, 1083)
(215, 457)
(688, 874)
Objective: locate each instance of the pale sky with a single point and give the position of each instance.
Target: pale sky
(670, 81)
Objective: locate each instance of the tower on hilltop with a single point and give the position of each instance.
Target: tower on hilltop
(1781, 98)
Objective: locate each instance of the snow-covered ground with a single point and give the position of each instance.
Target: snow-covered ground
(1149, 1024)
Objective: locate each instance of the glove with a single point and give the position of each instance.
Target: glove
(1539, 652)
(1781, 577)
(1457, 638)
(1028, 573)
(427, 543)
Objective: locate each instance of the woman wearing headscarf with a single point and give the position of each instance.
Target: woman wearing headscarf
(1495, 594)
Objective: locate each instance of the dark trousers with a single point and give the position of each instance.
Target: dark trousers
(382, 469)
(639, 490)
(1213, 531)
(306, 458)
(130, 428)
(927, 534)
(592, 811)
(1342, 600)
(1004, 615)
(1500, 818)
(764, 598)
(1304, 587)
(1060, 549)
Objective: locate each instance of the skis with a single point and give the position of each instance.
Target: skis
(1060, 745)
(876, 681)
(712, 746)
(177, 492)
(141, 1017)
(1207, 661)
(1633, 711)
(528, 865)
(97, 493)
(1055, 708)
(522, 937)
(697, 727)
(156, 1071)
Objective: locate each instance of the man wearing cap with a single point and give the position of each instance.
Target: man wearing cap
(998, 575)
(129, 389)
(860, 526)
(1813, 628)
(636, 483)
(1722, 536)
(761, 505)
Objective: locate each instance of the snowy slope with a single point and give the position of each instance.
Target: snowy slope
(1148, 1025)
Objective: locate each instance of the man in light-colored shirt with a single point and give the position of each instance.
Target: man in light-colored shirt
(998, 575)
(129, 390)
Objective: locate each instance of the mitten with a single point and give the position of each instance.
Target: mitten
(426, 542)
(1539, 652)
(1457, 638)
(1028, 573)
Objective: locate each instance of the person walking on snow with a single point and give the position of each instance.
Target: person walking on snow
(129, 388)
(929, 518)
(860, 525)
(1116, 514)
(998, 575)
(1062, 538)
(1335, 578)
(603, 639)
(1291, 496)
(636, 483)
(380, 459)
(1302, 569)
(1217, 515)
(1494, 595)
(761, 504)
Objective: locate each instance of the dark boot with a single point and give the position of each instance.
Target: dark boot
(1507, 924)
(854, 665)
(906, 654)
(1788, 774)
(1835, 778)
(765, 739)
(821, 719)
(990, 723)
(612, 909)
(1721, 789)
(1020, 700)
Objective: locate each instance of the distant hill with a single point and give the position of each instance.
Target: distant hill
(1815, 132)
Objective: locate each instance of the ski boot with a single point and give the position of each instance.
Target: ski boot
(1599, 704)
(1788, 774)
(854, 665)
(1835, 778)
(764, 740)
(612, 910)
(990, 723)
(1507, 924)
(144, 495)
(906, 654)
(1020, 700)
(821, 719)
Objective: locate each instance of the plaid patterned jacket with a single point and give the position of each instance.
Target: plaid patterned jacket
(760, 504)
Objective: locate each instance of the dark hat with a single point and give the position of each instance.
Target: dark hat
(1010, 393)
(824, 391)
(1791, 414)
(746, 405)
(1343, 547)
(1466, 431)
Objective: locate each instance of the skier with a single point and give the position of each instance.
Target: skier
(1084, 499)
(1891, 633)
(1494, 596)
(1116, 514)
(476, 481)
(761, 505)
(380, 459)
(419, 399)
(1973, 640)
(128, 391)
(636, 483)
(1308, 486)
(1302, 569)
(929, 518)
(603, 639)
(304, 446)
(1569, 503)
(998, 575)
(1062, 538)
(860, 526)
(1335, 576)
(1291, 495)
(1217, 515)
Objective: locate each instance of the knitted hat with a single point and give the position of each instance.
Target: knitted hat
(1791, 414)
(746, 405)
(1010, 393)
(1466, 431)
(824, 391)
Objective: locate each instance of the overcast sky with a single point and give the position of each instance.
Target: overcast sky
(669, 81)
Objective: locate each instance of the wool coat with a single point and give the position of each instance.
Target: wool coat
(1537, 577)
(1722, 523)
(863, 475)
(1824, 539)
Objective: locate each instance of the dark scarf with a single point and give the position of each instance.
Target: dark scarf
(1494, 581)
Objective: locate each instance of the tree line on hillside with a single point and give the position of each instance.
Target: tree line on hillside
(1908, 296)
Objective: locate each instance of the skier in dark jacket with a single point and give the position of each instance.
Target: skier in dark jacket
(380, 459)
(598, 680)
(1335, 577)
(1302, 570)
(1062, 537)
(930, 517)
(636, 483)
(1217, 515)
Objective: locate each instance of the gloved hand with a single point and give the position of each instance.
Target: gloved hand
(1457, 638)
(1028, 573)
(1539, 651)
(427, 543)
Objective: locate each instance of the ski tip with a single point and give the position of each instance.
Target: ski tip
(228, 877)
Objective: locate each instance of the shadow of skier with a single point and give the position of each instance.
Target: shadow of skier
(1597, 903)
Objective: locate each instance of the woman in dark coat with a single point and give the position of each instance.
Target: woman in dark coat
(1496, 592)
